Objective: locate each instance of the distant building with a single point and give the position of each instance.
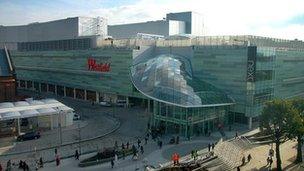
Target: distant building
(7, 77)
(174, 24)
(63, 29)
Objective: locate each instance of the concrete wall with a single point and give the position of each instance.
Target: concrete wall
(160, 27)
(182, 16)
(69, 28)
(193, 21)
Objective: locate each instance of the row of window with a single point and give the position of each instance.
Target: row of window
(71, 44)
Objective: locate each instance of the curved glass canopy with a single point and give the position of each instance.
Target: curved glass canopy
(168, 78)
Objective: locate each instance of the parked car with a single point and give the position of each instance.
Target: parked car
(76, 117)
(107, 104)
(28, 136)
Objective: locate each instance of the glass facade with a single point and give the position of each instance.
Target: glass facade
(183, 104)
(196, 84)
(168, 78)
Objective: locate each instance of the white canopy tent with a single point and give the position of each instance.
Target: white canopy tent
(26, 109)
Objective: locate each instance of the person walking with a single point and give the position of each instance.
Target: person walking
(41, 162)
(160, 144)
(209, 146)
(175, 158)
(128, 144)
(270, 162)
(146, 140)
(57, 160)
(267, 161)
(26, 167)
(212, 146)
(243, 161)
(122, 146)
(76, 155)
(116, 145)
(112, 163)
(249, 158)
(116, 157)
(138, 142)
(142, 149)
(123, 154)
(177, 140)
(9, 165)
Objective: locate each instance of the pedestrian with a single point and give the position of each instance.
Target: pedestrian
(26, 167)
(128, 144)
(122, 146)
(212, 146)
(192, 154)
(57, 160)
(8, 165)
(195, 155)
(112, 163)
(138, 142)
(123, 154)
(209, 146)
(243, 161)
(134, 150)
(36, 165)
(41, 162)
(76, 155)
(116, 145)
(20, 164)
(142, 149)
(146, 140)
(160, 144)
(175, 158)
(116, 157)
(249, 158)
(55, 151)
(177, 140)
(270, 162)
(236, 134)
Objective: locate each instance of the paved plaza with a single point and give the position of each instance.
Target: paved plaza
(100, 126)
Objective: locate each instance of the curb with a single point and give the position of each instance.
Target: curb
(117, 126)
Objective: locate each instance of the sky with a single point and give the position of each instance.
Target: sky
(270, 18)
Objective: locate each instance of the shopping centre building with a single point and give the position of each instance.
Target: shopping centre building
(190, 84)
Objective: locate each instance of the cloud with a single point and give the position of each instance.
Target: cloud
(266, 18)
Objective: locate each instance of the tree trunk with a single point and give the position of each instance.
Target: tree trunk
(299, 150)
(278, 156)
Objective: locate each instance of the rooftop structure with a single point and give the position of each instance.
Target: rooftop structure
(174, 24)
(69, 28)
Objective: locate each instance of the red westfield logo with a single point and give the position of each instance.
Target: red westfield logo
(94, 66)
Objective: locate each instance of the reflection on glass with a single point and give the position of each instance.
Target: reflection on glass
(168, 78)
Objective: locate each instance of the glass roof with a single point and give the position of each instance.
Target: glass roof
(168, 78)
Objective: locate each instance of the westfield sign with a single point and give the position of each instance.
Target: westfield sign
(100, 67)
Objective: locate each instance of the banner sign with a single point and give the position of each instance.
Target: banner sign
(100, 67)
(251, 63)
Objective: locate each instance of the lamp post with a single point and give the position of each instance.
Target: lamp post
(79, 137)
(59, 125)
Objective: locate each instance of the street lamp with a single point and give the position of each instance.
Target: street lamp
(59, 125)
(79, 136)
